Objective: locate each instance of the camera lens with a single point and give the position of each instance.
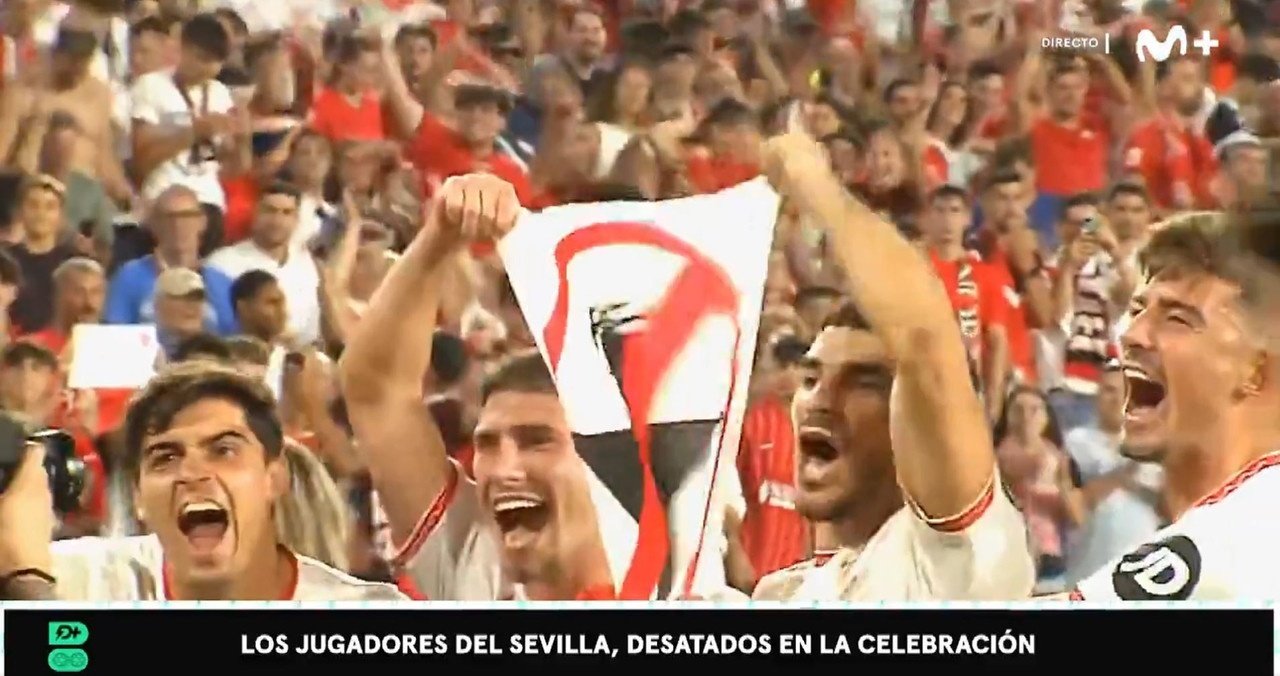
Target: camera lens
(65, 469)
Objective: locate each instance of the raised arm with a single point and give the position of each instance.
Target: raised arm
(941, 443)
(389, 350)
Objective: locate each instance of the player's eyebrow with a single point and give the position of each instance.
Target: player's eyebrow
(225, 434)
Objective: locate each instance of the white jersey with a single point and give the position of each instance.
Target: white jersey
(132, 569)
(1225, 548)
(450, 555)
(980, 555)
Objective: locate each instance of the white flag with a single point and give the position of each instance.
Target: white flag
(647, 313)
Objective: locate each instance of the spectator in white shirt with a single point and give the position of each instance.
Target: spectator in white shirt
(1124, 496)
(184, 130)
(270, 247)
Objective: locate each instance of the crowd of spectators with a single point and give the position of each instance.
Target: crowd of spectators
(243, 174)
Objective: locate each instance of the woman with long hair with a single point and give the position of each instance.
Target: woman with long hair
(312, 519)
(1039, 477)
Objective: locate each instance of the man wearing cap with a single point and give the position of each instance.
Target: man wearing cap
(179, 301)
(439, 150)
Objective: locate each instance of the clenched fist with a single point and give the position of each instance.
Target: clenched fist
(468, 209)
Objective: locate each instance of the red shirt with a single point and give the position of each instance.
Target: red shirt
(984, 301)
(112, 403)
(242, 202)
(439, 152)
(774, 534)
(1165, 155)
(1017, 325)
(337, 119)
(1069, 159)
(710, 174)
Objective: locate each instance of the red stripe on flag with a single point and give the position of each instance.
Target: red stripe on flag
(702, 289)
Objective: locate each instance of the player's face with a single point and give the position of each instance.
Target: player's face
(841, 413)
(206, 489)
(1186, 356)
(533, 485)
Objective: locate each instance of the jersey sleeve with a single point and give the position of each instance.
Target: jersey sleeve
(448, 556)
(980, 554)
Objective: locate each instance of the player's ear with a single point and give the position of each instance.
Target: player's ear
(278, 476)
(1259, 375)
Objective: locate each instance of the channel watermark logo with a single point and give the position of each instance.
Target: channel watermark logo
(1149, 46)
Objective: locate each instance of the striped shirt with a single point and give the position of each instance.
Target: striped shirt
(774, 534)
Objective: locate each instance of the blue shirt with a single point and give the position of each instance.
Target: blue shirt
(130, 298)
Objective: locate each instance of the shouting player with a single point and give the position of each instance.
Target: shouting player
(1203, 399)
(895, 455)
(528, 520)
(203, 446)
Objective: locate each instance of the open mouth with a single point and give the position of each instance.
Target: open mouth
(1145, 393)
(204, 523)
(817, 444)
(518, 515)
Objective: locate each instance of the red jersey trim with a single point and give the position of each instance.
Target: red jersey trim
(821, 557)
(430, 519)
(1248, 472)
(287, 593)
(966, 518)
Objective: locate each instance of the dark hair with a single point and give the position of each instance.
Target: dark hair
(205, 33)
(949, 191)
(1082, 199)
(202, 345)
(20, 352)
(232, 17)
(282, 188)
(685, 23)
(847, 316)
(813, 292)
(524, 372)
(1259, 67)
(248, 285)
(1128, 188)
(1163, 68)
(152, 411)
(150, 24)
(76, 44)
(893, 87)
(984, 68)
(449, 358)
(10, 272)
(1052, 430)
(413, 31)
(1001, 177)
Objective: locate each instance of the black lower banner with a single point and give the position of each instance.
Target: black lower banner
(318, 642)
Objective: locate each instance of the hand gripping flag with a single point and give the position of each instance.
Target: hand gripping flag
(647, 313)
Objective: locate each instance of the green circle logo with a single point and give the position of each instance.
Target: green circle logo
(68, 660)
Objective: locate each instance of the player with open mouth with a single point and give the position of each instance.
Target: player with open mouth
(526, 526)
(203, 445)
(895, 457)
(1203, 399)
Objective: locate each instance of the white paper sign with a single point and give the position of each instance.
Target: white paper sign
(647, 315)
(113, 356)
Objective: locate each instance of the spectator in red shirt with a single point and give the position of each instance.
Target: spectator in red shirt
(975, 289)
(990, 105)
(1070, 144)
(31, 389)
(1170, 153)
(349, 109)
(731, 132)
(773, 534)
